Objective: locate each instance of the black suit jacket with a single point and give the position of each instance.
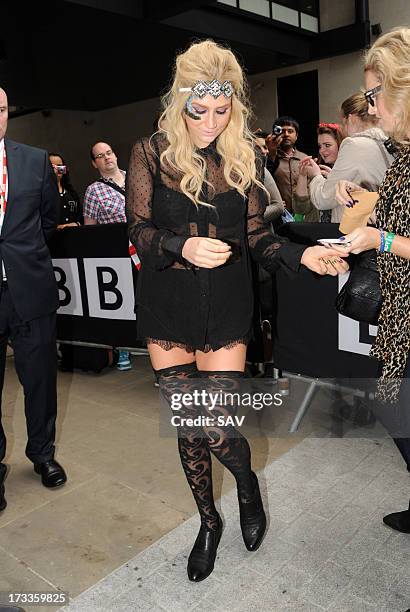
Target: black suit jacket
(30, 220)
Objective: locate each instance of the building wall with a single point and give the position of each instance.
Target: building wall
(72, 132)
(339, 76)
(336, 14)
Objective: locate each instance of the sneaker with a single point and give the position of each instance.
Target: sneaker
(124, 362)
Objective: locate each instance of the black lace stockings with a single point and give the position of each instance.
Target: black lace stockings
(192, 445)
(196, 441)
(225, 442)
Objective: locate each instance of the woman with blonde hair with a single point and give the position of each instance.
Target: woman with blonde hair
(362, 157)
(387, 76)
(195, 202)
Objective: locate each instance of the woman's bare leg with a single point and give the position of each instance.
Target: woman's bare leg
(160, 358)
(225, 359)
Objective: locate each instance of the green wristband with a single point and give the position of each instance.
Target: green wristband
(388, 242)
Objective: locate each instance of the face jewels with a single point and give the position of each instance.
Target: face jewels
(189, 110)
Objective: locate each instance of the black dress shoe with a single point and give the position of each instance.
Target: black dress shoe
(252, 517)
(202, 558)
(400, 521)
(52, 474)
(3, 472)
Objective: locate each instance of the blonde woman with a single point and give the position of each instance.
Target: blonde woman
(387, 77)
(195, 205)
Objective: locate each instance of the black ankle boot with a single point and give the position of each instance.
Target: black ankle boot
(253, 518)
(400, 521)
(3, 472)
(202, 558)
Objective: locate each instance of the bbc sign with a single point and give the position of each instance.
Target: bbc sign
(101, 287)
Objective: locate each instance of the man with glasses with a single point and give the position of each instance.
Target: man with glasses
(104, 202)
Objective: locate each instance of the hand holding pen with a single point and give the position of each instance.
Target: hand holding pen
(344, 190)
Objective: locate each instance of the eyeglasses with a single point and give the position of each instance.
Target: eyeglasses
(101, 155)
(370, 94)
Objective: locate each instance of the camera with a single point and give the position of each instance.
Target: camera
(61, 169)
(277, 130)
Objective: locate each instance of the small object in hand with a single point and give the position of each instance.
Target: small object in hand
(283, 386)
(328, 241)
(352, 201)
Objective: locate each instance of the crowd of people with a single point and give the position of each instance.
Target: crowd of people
(202, 197)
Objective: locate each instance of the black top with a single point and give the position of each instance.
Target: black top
(69, 208)
(178, 304)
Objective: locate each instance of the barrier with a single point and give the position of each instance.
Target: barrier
(96, 281)
(310, 337)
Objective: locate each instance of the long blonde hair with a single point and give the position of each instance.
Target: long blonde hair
(207, 61)
(389, 59)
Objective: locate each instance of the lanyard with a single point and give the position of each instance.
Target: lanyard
(3, 200)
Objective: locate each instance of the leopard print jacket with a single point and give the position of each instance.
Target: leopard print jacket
(392, 343)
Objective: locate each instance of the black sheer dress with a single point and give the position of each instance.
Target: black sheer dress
(178, 304)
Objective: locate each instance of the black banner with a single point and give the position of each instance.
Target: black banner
(96, 280)
(310, 337)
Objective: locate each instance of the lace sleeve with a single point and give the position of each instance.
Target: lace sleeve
(159, 248)
(267, 249)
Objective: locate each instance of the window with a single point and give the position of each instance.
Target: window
(287, 15)
(309, 6)
(307, 22)
(302, 14)
(260, 7)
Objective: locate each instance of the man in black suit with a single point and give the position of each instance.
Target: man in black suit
(28, 295)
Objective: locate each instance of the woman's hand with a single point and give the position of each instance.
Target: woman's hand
(206, 252)
(303, 168)
(324, 260)
(361, 239)
(343, 190)
(325, 170)
(310, 167)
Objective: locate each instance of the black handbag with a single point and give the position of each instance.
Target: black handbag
(360, 297)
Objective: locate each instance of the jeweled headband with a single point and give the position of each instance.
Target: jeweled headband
(215, 88)
(201, 88)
